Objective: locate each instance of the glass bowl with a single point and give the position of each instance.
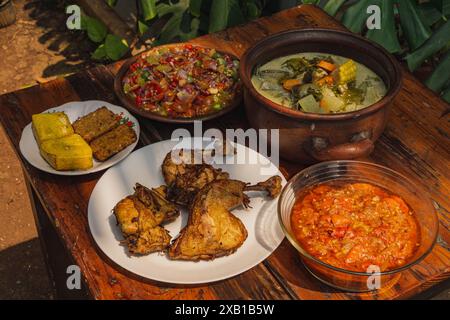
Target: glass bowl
(356, 171)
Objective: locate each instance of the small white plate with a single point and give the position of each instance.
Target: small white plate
(74, 110)
(144, 166)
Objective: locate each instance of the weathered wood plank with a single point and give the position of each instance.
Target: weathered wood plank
(416, 143)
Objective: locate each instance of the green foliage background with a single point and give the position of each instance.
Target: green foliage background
(414, 30)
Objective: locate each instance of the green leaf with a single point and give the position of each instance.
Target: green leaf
(387, 35)
(142, 27)
(195, 7)
(252, 10)
(429, 14)
(356, 15)
(442, 5)
(218, 17)
(185, 36)
(171, 29)
(178, 8)
(416, 32)
(96, 30)
(332, 6)
(235, 15)
(111, 3)
(180, 25)
(436, 42)
(99, 53)
(446, 95)
(115, 47)
(440, 76)
(84, 21)
(148, 9)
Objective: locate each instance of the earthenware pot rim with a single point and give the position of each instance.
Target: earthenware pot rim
(247, 69)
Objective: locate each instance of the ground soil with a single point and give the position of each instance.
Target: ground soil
(36, 48)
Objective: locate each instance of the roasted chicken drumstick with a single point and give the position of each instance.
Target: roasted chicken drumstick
(212, 230)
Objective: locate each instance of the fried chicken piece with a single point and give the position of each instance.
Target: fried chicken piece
(272, 186)
(140, 217)
(156, 198)
(212, 230)
(185, 179)
(140, 227)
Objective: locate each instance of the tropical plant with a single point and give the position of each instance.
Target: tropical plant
(417, 31)
(414, 30)
(110, 46)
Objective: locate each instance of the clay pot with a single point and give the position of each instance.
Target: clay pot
(310, 137)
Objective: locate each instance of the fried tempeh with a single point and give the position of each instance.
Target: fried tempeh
(112, 142)
(96, 123)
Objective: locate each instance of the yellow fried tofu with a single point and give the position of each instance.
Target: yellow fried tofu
(48, 126)
(67, 153)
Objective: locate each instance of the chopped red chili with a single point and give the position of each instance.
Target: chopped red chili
(355, 225)
(182, 81)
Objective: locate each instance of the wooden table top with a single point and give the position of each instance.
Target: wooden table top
(416, 143)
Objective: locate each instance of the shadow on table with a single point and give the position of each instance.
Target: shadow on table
(23, 272)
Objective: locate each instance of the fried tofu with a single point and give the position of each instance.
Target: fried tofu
(53, 125)
(67, 153)
(96, 123)
(112, 142)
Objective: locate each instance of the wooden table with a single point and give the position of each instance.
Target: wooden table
(416, 143)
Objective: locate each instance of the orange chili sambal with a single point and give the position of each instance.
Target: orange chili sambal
(355, 225)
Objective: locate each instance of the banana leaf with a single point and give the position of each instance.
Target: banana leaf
(387, 35)
(440, 76)
(332, 6)
(416, 32)
(436, 42)
(356, 15)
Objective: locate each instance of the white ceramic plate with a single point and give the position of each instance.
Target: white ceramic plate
(74, 110)
(144, 166)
